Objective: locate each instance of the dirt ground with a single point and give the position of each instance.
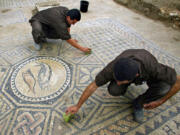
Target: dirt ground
(168, 12)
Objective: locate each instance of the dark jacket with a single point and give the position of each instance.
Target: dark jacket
(150, 70)
(55, 18)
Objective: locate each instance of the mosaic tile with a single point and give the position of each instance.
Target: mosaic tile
(29, 122)
(37, 108)
(3, 72)
(16, 54)
(5, 107)
(12, 17)
(6, 123)
(38, 79)
(22, 3)
(18, 3)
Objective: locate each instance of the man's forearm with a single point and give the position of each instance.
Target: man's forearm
(88, 92)
(173, 91)
(74, 43)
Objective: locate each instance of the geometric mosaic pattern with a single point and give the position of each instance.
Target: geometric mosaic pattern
(101, 114)
(12, 17)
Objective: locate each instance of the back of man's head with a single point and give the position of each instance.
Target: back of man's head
(125, 69)
(74, 14)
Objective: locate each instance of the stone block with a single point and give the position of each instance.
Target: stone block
(125, 2)
(45, 5)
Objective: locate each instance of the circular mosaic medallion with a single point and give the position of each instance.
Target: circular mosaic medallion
(40, 79)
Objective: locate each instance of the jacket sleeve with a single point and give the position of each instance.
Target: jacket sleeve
(105, 75)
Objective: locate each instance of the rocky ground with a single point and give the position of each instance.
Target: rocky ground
(168, 11)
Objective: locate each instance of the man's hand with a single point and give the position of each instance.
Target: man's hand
(72, 110)
(86, 50)
(75, 40)
(153, 104)
(173, 91)
(74, 43)
(88, 92)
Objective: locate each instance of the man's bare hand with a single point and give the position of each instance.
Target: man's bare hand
(72, 110)
(153, 104)
(172, 92)
(86, 50)
(75, 40)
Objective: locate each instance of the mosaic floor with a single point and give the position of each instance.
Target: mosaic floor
(20, 3)
(37, 87)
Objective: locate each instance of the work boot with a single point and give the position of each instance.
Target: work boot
(37, 46)
(138, 113)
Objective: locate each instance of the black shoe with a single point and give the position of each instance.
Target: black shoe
(138, 113)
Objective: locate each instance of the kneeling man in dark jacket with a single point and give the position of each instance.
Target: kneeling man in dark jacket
(135, 66)
(55, 23)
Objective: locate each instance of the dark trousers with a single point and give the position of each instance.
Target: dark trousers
(42, 31)
(154, 92)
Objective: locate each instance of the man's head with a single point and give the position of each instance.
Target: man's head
(73, 16)
(125, 70)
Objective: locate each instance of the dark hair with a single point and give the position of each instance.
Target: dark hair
(74, 14)
(125, 69)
